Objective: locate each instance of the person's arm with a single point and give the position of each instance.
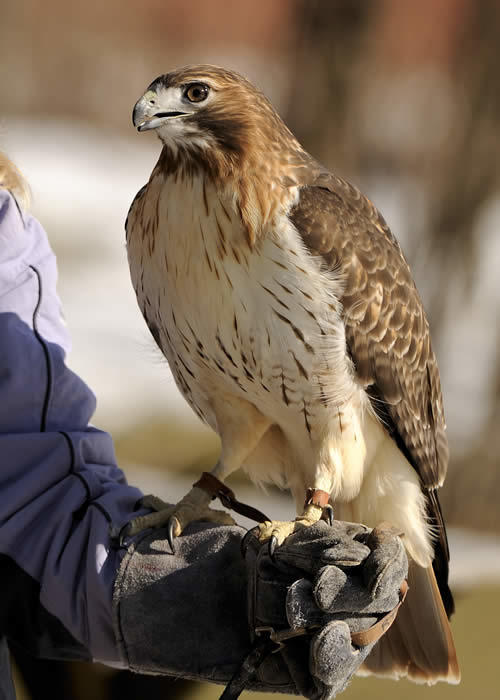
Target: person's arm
(61, 491)
(64, 502)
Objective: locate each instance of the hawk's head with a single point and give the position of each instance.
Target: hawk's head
(212, 112)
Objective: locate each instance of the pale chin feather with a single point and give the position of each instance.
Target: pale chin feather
(176, 134)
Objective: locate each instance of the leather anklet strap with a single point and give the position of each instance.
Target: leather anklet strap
(316, 497)
(216, 489)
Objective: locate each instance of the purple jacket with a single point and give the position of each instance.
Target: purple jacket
(62, 495)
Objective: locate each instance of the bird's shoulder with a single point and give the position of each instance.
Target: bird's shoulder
(337, 221)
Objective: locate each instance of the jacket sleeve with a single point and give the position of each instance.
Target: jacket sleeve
(62, 495)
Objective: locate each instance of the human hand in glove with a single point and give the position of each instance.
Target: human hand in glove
(194, 614)
(327, 595)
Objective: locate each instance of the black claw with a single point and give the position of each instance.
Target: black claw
(329, 514)
(170, 533)
(271, 548)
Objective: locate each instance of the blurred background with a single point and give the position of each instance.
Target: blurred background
(400, 97)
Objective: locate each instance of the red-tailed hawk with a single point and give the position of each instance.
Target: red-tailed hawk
(292, 326)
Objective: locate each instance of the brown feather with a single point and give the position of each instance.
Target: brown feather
(419, 644)
(387, 331)
(386, 328)
(388, 338)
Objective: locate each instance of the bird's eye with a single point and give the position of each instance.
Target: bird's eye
(196, 92)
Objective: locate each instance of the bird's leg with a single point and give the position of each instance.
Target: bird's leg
(241, 427)
(316, 505)
(193, 506)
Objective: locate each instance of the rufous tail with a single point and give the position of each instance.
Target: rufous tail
(419, 645)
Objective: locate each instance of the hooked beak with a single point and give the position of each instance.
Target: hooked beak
(144, 118)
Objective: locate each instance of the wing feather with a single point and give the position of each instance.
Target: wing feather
(386, 328)
(387, 331)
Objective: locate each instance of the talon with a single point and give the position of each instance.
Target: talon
(170, 533)
(273, 543)
(329, 514)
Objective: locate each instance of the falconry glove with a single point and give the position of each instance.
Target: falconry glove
(325, 597)
(188, 614)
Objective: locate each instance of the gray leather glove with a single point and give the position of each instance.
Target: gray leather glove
(185, 614)
(336, 584)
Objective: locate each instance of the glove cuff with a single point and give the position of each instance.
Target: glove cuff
(183, 614)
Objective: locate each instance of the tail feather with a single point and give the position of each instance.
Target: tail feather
(419, 645)
(441, 551)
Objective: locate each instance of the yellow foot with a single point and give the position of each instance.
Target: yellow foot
(194, 506)
(276, 531)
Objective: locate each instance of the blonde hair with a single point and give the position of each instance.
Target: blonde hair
(11, 179)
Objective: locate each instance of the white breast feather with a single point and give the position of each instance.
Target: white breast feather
(199, 278)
